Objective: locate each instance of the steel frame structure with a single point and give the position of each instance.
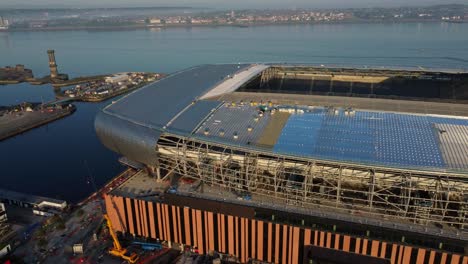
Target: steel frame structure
(391, 194)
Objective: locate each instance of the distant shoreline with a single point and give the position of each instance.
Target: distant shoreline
(165, 26)
(42, 9)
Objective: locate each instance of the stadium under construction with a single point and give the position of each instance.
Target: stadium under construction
(296, 163)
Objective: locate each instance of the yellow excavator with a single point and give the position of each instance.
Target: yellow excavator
(118, 250)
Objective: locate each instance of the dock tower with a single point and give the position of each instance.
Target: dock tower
(52, 65)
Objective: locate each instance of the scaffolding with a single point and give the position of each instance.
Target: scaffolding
(419, 197)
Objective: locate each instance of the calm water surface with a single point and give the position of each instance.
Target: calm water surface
(51, 160)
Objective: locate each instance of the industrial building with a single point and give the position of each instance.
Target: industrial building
(117, 78)
(40, 205)
(257, 163)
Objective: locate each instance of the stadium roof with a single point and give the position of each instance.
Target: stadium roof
(133, 125)
(373, 67)
(386, 139)
(157, 104)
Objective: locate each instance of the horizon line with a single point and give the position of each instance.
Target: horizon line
(40, 7)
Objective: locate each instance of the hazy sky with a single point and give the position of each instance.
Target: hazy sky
(222, 3)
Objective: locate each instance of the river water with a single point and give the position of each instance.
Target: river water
(51, 160)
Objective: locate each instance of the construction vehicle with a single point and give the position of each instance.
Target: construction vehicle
(118, 250)
(148, 246)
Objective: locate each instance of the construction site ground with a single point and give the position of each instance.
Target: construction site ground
(80, 227)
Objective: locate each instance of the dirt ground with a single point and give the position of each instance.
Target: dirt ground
(273, 129)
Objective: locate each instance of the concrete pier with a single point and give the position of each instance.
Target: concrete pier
(13, 123)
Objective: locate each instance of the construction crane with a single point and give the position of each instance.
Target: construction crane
(118, 250)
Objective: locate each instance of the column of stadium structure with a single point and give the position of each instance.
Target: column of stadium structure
(245, 175)
(210, 166)
(371, 187)
(407, 193)
(151, 170)
(263, 78)
(182, 154)
(395, 181)
(233, 171)
(277, 169)
(281, 82)
(435, 197)
(326, 174)
(158, 170)
(309, 177)
(301, 191)
(266, 181)
(166, 163)
(338, 187)
(266, 76)
(294, 194)
(207, 162)
(379, 197)
(222, 162)
(462, 215)
(228, 168)
(422, 213)
(312, 83)
(280, 177)
(174, 160)
(249, 170)
(179, 161)
(199, 170)
(445, 202)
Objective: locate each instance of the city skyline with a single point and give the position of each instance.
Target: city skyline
(222, 4)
